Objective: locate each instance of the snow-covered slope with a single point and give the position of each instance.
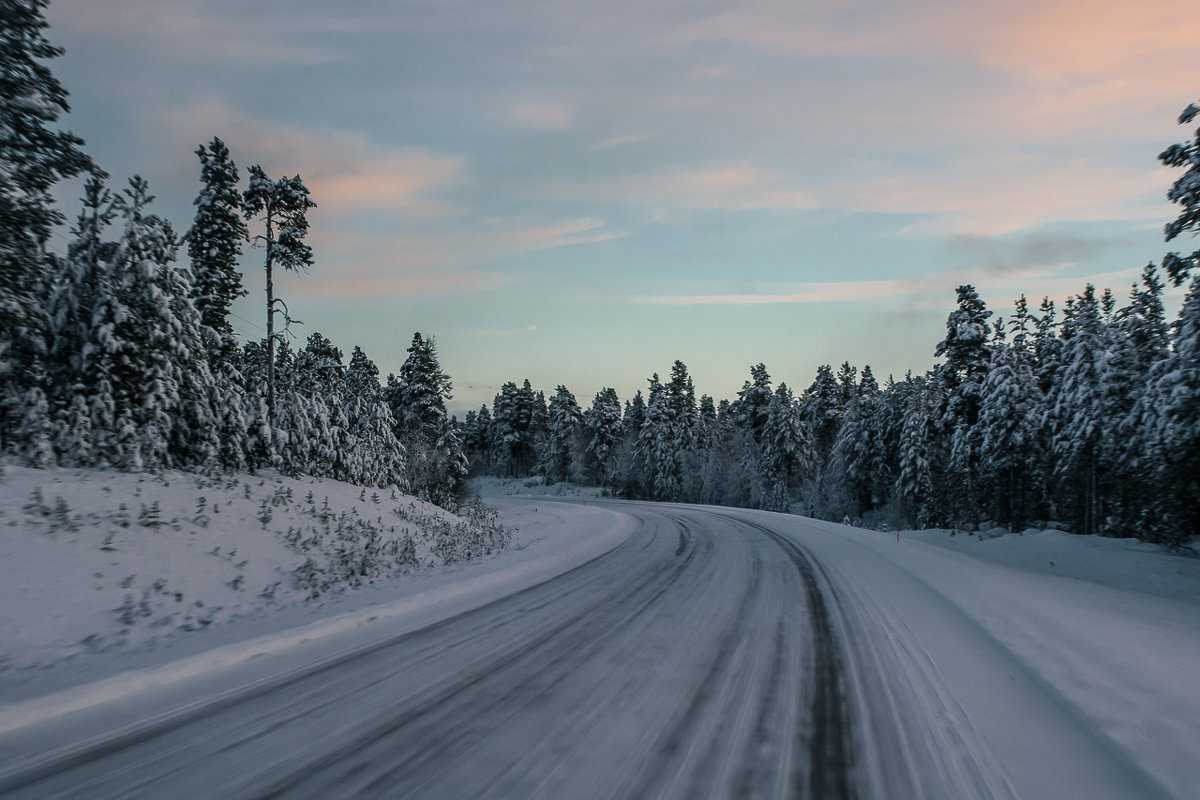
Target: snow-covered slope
(99, 560)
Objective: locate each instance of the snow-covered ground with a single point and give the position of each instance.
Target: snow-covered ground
(1008, 665)
(1108, 629)
(108, 571)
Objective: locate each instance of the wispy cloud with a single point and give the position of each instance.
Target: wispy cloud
(619, 141)
(735, 186)
(345, 172)
(366, 286)
(929, 290)
(193, 32)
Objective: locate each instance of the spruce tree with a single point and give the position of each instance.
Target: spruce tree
(1176, 420)
(1079, 409)
(565, 419)
(435, 463)
(1186, 193)
(214, 246)
(786, 451)
(603, 421)
(33, 158)
(1009, 441)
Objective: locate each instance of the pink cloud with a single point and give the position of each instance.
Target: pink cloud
(344, 171)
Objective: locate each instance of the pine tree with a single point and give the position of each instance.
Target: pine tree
(33, 158)
(147, 361)
(376, 458)
(918, 443)
(967, 355)
(436, 464)
(562, 443)
(750, 409)
(283, 206)
(1009, 441)
(214, 246)
(656, 451)
(1186, 193)
(1079, 409)
(786, 451)
(604, 426)
(1176, 420)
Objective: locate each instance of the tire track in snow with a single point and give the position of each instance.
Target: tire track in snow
(830, 750)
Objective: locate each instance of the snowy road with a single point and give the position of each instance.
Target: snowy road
(713, 653)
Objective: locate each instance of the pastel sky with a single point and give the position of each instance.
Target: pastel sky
(583, 192)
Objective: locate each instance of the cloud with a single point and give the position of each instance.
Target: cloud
(991, 196)
(194, 32)
(344, 287)
(619, 141)
(1030, 253)
(546, 116)
(776, 30)
(735, 186)
(452, 259)
(816, 292)
(345, 172)
(928, 290)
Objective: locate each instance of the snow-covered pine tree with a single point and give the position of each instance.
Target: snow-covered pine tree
(283, 207)
(214, 245)
(632, 471)
(604, 427)
(823, 412)
(655, 452)
(436, 465)
(160, 377)
(377, 458)
(1009, 443)
(33, 158)
(967, 354)
(81, 310)
(477, 441)
(1176, 419)
(750, 408)
(1186, 193)
(1137, 342)
(710, 465)
(565, 421)
(966, 351)
(918, 445)
(1079, 408)
(681, 406)
(786, 451)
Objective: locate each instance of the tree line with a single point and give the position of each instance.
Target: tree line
(1089, 421)
(117, 354)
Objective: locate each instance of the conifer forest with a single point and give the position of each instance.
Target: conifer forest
(116, 352)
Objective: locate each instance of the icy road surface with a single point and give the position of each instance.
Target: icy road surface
(711, 653)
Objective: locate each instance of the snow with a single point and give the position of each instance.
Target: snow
(1021, 665)
(1109, 630)
(96, 593)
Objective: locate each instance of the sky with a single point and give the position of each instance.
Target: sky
(581, 193)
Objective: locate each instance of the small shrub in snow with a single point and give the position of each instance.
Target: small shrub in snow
(150, 516)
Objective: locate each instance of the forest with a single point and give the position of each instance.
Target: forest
(116, 352)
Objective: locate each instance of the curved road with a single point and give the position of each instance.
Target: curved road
(712, 654)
